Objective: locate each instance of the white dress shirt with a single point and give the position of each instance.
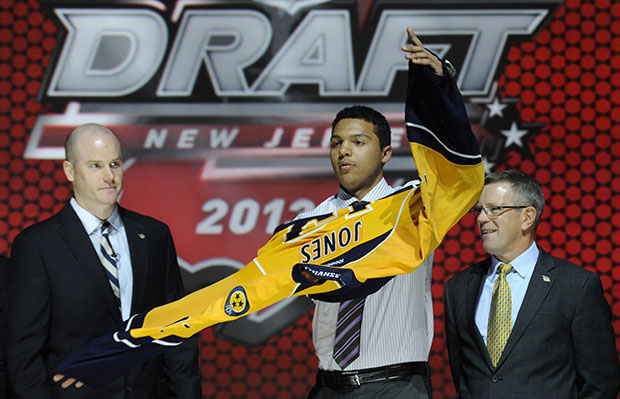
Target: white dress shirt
(118, 238)
(397, 324)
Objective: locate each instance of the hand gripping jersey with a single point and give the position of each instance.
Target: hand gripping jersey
(342, 254)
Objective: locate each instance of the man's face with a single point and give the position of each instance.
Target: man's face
(502, 235)
(357, 157)
(96, 172)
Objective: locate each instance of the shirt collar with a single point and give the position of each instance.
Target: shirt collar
(91, 222)
(522, 264)
(374, 194)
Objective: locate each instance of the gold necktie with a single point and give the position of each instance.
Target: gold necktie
(500, 315)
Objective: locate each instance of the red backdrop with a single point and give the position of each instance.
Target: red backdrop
(567, 78)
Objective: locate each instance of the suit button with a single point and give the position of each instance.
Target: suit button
(494, 378)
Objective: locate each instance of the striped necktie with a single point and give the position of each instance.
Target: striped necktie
(109, 260)
(347, 342)
(500, 315)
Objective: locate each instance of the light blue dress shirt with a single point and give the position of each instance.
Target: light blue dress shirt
(518, 279)
(118, 238)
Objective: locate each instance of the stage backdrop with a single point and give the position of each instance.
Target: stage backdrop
(224, 110)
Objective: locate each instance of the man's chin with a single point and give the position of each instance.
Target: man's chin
(109, 200)
(488, 247)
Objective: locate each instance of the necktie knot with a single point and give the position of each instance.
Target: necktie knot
(505, 268)
(105, 227)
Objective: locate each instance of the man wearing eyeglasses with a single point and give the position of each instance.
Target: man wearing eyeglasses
(523, 323)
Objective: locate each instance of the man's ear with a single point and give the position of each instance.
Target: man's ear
(529, 218)
(386, 154)
(67, 167)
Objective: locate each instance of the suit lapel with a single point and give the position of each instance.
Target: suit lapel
(72, 231)
(137, 240)
(473, 293)
(540, 284)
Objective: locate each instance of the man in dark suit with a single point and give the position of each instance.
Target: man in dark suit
(82, 272)
(523, 323)
(4, 286)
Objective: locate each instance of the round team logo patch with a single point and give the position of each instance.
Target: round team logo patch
(237, 302)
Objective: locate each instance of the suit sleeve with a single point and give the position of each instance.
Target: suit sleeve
(181, 363)
(596, 357)
(28, 321)
(454, 348)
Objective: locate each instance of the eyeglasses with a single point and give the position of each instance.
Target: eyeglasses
(493, 211)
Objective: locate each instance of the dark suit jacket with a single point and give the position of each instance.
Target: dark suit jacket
(4, 286)
(60, 298)
(562, 344)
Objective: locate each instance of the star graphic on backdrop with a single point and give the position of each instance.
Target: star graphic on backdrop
(488, 165)
(496, 108)
(513, 135)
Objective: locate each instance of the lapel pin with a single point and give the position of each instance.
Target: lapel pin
(142, 236)
(546, 278)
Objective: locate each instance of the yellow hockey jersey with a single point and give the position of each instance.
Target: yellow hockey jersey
(341, 250)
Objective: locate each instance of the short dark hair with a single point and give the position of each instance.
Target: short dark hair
(372, 116)
(525, 188)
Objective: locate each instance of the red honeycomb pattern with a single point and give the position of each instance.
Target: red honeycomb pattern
(284, 367)
(567, 78)
(29, 190)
